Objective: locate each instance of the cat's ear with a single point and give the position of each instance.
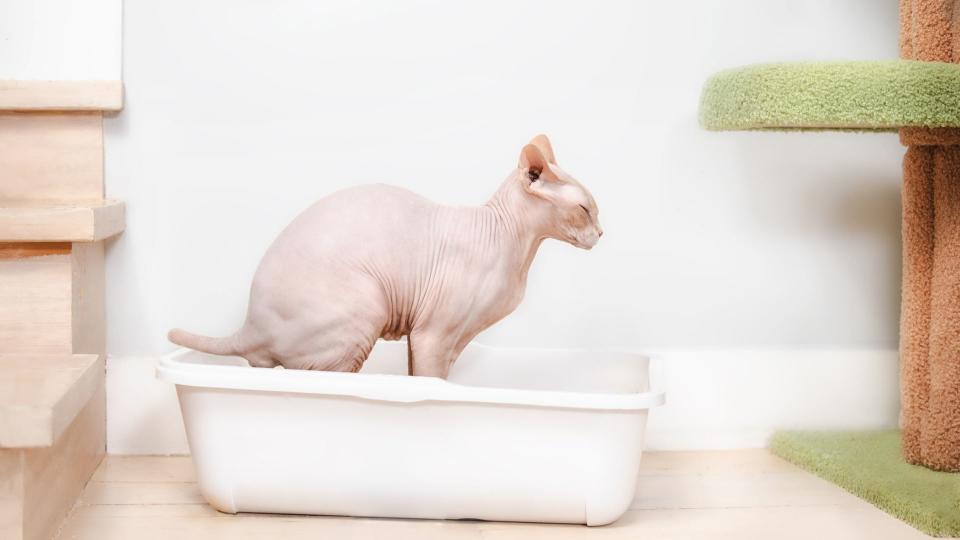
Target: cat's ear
(543, 143)
(533, 162)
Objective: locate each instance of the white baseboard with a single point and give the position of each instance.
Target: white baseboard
(738, 398)
(716, 398)
(143, 414)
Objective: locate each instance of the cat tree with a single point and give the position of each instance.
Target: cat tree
(53, 221)
(919, 96)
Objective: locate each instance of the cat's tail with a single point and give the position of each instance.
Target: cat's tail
(214, 345)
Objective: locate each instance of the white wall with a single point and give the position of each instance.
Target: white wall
(60, 39)
(240, 113)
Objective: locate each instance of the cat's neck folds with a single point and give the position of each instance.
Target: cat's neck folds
(519, 219)
(516, 213)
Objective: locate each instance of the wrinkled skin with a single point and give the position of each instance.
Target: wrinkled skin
(379, 261)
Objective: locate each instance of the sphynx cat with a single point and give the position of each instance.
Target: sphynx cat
(378, 261)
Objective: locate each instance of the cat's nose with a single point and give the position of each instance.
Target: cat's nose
(599, 232)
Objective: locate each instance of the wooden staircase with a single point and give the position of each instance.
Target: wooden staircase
(53, 220)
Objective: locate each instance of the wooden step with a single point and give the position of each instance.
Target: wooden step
(51, 156)
(22, 95)
(73, 221)
(40, 395)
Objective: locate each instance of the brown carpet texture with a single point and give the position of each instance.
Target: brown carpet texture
(930, 313)
(928, 30)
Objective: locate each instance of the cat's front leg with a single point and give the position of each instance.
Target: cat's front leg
(432, 352)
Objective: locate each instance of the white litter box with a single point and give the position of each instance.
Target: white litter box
(513, 435)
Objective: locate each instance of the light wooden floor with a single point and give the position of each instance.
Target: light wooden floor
(738, 494)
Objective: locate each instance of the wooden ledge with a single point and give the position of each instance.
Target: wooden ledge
(40, 395)
(61, 95)
(61, 221)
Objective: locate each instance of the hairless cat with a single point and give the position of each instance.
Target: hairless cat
(378, 261)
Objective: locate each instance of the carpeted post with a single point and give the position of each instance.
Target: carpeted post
(930, 312)
(930, 320)
(917, 238)
(940, 436)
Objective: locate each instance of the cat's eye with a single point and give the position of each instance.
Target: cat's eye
(585, 209)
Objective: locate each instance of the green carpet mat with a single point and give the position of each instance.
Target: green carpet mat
(869, 465)
(879, 95)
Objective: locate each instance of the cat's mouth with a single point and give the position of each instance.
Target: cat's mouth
(584, 238)
(586, 244)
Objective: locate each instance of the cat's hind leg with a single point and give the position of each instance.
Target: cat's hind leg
(333, 328)
(348, 358)
(260, 358)
(341, 348)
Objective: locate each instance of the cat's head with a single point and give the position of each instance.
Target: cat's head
(572, 214)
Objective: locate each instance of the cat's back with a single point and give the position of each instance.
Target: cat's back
(367, 203)
(357, 220)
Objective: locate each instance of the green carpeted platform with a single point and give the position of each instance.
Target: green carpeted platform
(878, 95)
(869, 465)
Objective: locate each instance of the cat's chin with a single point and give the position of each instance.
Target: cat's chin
(587, 246)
